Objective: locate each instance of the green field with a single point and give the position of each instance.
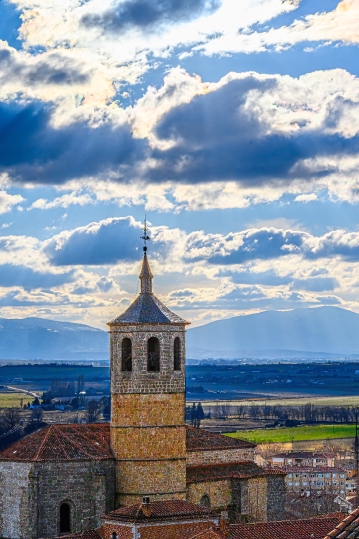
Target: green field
(296, 434)
(10, 400)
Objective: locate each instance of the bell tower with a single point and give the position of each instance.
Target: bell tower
(148, 434)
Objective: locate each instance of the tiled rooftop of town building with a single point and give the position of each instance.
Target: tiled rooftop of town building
(203, 440)
(347, 529)
(311, 528)
(62, 443)
(239, 470)
(159, 510)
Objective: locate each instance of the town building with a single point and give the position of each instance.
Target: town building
(302, 458)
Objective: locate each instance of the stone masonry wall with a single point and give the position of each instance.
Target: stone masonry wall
(219, 492)
(195, 458)
(167, 380)
(88, 486)
(275, 497)
(148, 433)
(17, 518)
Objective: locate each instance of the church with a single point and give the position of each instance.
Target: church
(146, 470)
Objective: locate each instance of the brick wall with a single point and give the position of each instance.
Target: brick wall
(195, 458)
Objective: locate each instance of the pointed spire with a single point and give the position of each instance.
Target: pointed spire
(146, 276)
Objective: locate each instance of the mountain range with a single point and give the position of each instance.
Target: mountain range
(308, 333)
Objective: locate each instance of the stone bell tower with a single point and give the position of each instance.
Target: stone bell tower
(148, 435)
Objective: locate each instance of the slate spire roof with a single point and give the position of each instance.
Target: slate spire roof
(147, 309)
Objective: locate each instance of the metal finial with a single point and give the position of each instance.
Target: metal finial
(145, 237)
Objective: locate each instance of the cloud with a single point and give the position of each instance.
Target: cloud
(51, 75)
(148, 14)
(241, 247)
(315, 284)
(33, 150)
(270, 243)
(12, 276)
(105, 242)
(232, 132)
(306, 198)
(338, 25)
(266, 278)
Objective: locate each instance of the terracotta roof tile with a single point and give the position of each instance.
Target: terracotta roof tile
(312, 528)
(159, 510)
(239, 470)
(62, 442)
(203, 440)
(347, 529)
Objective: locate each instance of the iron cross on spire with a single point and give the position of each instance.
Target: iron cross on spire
(145, 236)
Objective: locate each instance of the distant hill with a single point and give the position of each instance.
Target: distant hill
(327, 332)
(308, 333)
(38, 338)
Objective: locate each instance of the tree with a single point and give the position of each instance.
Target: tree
(36, 415)
(9, 418)
(93, 411)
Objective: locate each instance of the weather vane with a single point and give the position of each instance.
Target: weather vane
(145, 237)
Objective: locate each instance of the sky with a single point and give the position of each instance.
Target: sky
(233, 126)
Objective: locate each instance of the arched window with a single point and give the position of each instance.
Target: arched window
(126, 354)
(177, 354)
(65, 518)
(153, 354)
(205, 501)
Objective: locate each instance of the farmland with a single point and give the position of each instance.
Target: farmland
(297, 434)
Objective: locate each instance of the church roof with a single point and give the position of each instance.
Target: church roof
(147, 309)
(159, 510)
(62, 443)
(92, 442)
(204, 440)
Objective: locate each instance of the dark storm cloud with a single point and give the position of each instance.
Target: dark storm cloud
(106, 242)
(29, 279)
(148, 14)
(32, 150)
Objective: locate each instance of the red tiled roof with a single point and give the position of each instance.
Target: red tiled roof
(347, 529)
(203, 440)
(92, 441)
(311, 528)
(160, 510)
(239, 470)
(61, 443)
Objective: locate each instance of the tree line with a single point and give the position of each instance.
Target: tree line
(308, 413)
